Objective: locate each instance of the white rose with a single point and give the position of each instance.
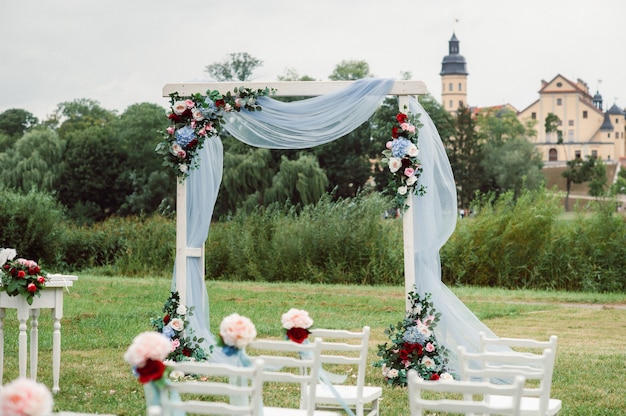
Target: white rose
(177, 375)
(402, 190)
(428, 362)
(177, 324)
(393, 373)
(446, 377)
(411, 180)
(412, 151)
(179, 107)
(197, 115)
(183, 168)
(395, 163)
(181, 310)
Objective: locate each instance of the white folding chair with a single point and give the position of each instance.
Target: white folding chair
(537, 369)
(224, 389)
(346, 351)
(292, 363)
(464, 397)
(490, 344)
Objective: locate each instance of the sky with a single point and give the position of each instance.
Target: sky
(122, 52)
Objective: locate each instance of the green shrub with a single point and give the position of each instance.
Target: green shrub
(29, 223)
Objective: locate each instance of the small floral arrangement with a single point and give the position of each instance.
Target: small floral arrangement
(401, 155)
(25, 397)
(20, 276)
(236, 332)
(296, 323)
(414, 345)
(197, 117)
(147, 354)
(174, 324)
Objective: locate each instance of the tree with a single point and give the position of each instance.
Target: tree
(598, 179)
(15, 122)
(577, 171)
(464, 151)
(350, 71)
(80, 114)
(292, 75)
(551, 125)
(239, 66)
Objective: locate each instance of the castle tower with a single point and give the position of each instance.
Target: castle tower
(453, 78)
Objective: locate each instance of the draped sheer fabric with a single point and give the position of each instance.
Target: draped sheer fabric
(312, 122)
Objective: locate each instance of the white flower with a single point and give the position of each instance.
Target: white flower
(402, 190)
(423, 329)
(197, 115)
(446, 377)
(183, 167)
(428, 362)
(296, 318)
(177, 324)
(393, 373)
(237, 331)
(24, 396)
(177, 375)
(412, 151)
(411, 180)
(395, 163)
(7, 254)
(179, 107)
(181, 310)
(149, 345)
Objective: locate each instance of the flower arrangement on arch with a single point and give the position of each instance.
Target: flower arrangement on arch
(25, 397)
(296, 323)
(20, 276)
(174, 324)
(401, 156)
(146, 355)
(236, 332)
(195, 118)
(414, 345)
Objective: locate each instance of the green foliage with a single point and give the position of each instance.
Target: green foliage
(465, 154)
(238, 66)
(350, 70)
(15, 122)
(29, 223)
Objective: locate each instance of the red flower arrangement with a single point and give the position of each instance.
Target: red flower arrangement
(21, 276)
(296, 323)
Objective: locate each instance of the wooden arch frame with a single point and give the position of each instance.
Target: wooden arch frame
(402, 89)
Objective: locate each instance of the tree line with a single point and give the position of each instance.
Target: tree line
(98, 163)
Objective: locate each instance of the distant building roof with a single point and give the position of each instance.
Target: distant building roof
(616, 110)
(606, 124)
(454, 63)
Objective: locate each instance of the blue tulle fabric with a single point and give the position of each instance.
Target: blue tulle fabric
(312, 122)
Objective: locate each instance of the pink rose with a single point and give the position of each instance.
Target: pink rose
(296, 318)
(189, 103)
(171, 130)
(41, 279)
(237, 331)
(25, 397)
(430, 347)
(175, 344)
(149, 345)
(408, 172)
(389, 144)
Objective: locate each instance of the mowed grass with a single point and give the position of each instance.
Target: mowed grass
(103, 314)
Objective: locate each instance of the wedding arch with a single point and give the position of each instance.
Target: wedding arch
(334, 109)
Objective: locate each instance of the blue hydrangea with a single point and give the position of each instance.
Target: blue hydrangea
(399, 147)
(184, 135)
(414, 336)
(168, 331)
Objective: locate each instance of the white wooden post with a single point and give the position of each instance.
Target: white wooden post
(403, 89)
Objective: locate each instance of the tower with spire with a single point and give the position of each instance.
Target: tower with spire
(453, 78)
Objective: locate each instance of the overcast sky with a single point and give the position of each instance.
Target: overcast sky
(122, 52)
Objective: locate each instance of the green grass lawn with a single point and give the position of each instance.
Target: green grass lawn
(103, 314)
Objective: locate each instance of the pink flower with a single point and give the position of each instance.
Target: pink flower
(32, 288)
(430, 347)
(175, 344)
(41, 279)
(408, 172)
(296, 318)
(25, 397)
(170, 130)
(189, 103)
(150, 345)
(237, 331)
(389, 144)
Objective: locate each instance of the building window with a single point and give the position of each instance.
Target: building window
(559, 122)
(559, 101)
(577, 154)
(553, 155)
(460, 103)
(460, 87)
(533, 116)
(570, 122)
(450, 87)
(617, 121)
(450, 103)
(570, 135)
(559, 84)
(585, 114)
(594, 154)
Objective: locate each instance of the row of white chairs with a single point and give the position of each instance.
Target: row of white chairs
(508, 376)
(311, 367)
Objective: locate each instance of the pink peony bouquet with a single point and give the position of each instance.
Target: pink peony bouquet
(25, 397)
(146, 355)
(236, 332)
(296, 323)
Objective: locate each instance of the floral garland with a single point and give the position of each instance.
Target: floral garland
(197, 117)
(401, 156)
(174, 324)
(414, 345)
(296, 323)
(21, 276)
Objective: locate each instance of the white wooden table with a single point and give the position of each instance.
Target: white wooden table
(51, 298)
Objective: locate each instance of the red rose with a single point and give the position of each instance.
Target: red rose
(402, 118)
(413, 347)
(21, 274)
(192, 143)
(220, 103)
(173, 117)
(298, 334)
(41, 279)
(435, 376)
(166, 319)
(6, 266)
(404, 355)
(32, 288)
(394, 132)
(153, 370)
(186, 352)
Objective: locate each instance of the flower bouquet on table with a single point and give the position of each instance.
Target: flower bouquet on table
(236, 332)
(25, 397)
(20, 276)
(296, 323)
(198, 117)
(414, 345)
(401, 156)
(174, 324)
